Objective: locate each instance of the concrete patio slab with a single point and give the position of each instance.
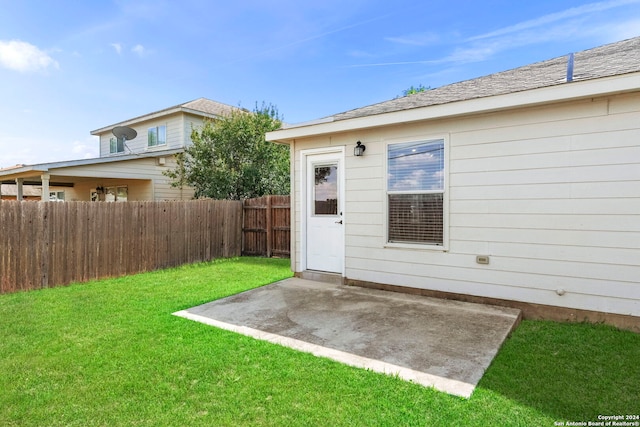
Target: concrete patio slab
(433, 342)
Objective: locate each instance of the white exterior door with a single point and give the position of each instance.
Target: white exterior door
(324, 208)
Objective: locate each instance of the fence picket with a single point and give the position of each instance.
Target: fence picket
(46, 244)
(267, 228)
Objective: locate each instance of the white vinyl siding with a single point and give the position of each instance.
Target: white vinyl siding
(550, 194)
(191, 122)
(174, 131)
(177, 131)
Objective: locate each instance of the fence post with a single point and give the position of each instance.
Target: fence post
(269, 227)
(43, 248)
(243, 242)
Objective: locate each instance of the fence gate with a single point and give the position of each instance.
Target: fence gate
(266, 226)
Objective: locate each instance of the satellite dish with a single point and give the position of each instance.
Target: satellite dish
(124, 133)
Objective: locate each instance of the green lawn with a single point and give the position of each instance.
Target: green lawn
(109, 353)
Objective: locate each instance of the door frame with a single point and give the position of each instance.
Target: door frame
(339, 151)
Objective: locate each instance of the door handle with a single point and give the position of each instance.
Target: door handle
(339, 222)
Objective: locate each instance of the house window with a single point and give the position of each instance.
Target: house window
(116, 194)
(56, 196)
(157, 136)
(116, 145)
(415, 192)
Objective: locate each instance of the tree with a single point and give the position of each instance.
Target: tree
(231, 159)
(412, 90)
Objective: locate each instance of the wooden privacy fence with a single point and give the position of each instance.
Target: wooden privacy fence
(266, 227)
(45, 244)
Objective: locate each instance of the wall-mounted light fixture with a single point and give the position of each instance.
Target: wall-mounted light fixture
(358, 150)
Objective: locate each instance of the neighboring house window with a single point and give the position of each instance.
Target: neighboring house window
(116, 145)
(116, 194)
(157, 136)
(415, 192)
(56, 196)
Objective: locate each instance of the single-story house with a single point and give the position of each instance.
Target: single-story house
(520, 188)
(128, 168)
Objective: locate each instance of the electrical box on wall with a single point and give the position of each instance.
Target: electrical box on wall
(482, 259)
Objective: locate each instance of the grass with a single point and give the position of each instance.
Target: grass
(109, 353)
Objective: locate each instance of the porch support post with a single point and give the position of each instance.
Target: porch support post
(45, 187)
(19, 182)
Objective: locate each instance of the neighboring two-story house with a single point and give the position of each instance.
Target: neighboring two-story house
(126, 169)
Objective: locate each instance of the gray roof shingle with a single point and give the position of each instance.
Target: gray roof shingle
(609, 60)
(210, 107)
(203, 105)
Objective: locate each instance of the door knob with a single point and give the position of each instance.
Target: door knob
(339, 222)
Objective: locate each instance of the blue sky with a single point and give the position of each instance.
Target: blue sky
(69, 67)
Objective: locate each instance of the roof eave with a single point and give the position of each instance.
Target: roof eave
(28, 170)
(155, 115)
(557, 93)
(24, 171)
(200, 113)
(140, 119)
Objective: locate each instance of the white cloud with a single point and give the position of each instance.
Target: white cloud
(473, 54)
(620, 30)
(16, 151)
(117, 47)
(27, 149)
(140, 50)
(360, 54)
(418, 39)
(582, 22)
(87, 149)
(24, 57)
(573, 12)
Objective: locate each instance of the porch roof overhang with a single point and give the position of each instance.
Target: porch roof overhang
(528, 98)
(58, 170)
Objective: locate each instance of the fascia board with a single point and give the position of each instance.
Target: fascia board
(23, 172)
(28, 170)
(557, 93)
(137, 120)
(200, 113)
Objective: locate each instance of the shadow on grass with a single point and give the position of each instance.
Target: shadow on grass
(571, 372)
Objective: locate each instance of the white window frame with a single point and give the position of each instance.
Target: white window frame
(114, 143)
(445, 199)
(156, 131)
(56, 195)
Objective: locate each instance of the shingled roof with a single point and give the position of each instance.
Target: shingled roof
(201, 106)
(609, 60)
(208, 106)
